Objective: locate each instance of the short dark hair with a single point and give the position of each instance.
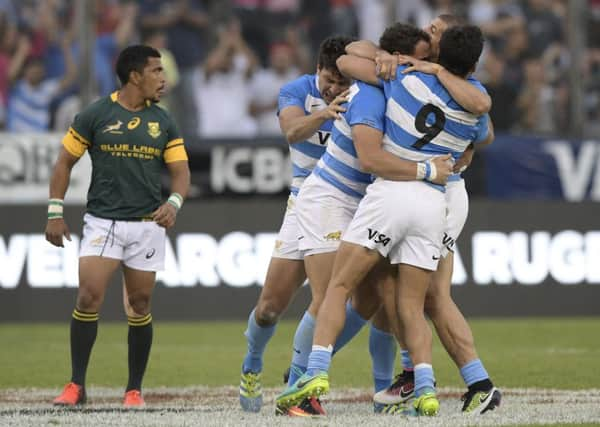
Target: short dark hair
(134, 58)
(452, 20)
(402, 38)
(331, 49)
(460, 48)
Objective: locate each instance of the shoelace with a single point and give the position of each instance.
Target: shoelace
(252, 383)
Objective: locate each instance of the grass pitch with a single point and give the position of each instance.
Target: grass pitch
(548, 369)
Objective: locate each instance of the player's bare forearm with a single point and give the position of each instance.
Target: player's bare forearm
(362, 49)
(358, 68)
(180, 177)
(61, 174)
(297, 126)
(377, 161)
(464, 93)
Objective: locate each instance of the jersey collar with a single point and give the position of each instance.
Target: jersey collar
(115, 94)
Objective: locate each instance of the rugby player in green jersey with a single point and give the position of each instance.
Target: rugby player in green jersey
(128, 138)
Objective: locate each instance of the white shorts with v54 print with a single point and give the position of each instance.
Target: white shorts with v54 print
(404, 221)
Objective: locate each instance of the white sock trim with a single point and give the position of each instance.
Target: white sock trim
(329, 348)
(423, 366)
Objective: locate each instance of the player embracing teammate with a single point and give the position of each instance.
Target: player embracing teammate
(405, 222)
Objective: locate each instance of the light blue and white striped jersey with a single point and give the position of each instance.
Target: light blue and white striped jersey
(423, 121)
(304, 93)
(339, 166)
(29, 107)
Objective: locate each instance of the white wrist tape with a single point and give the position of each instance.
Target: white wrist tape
(55, 208)
(176, 200)
(421, 171)
(432, 171)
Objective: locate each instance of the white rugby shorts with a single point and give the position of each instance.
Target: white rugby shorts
(324, 213)
(138, 244)
(286, 245)
(404, 221)
(457, 202)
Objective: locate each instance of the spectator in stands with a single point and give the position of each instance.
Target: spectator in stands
(221, 87)
(543, 26)
(185, 22)
(265, 85)
(158, 40)
(535, 101)
(115, 27)
(14, 48)
(31, 97)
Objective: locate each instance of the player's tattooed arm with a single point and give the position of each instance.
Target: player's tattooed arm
(298, 126)
(464, 93)
(179, 173)
(358, 68)
(56, 228)
(374, 159)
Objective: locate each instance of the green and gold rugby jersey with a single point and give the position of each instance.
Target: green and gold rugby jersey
(128, 149)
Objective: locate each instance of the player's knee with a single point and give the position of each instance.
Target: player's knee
(267, 314)
(140, 303)
(89, 300)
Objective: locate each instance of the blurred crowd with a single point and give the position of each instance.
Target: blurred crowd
(225, 60)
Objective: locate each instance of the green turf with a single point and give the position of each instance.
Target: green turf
(534, 352)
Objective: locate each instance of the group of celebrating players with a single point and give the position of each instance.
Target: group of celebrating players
(378, 139)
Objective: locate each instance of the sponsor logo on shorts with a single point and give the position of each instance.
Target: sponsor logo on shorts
(378, 237)
(448, 241)
(98, 241)
(435, 258)
(336, 235)
(150, 253)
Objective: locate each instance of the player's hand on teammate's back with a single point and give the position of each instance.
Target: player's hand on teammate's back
(418, 65)
(55, 230)
(465, 159)
(334, 109)
(386, 65)
(444, 168)
(165, 215)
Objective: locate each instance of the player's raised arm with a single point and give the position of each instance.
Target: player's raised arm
(375, 160)
(363, 49)
(465, 93)
(298, 126)
(368, 63)
(358, 68)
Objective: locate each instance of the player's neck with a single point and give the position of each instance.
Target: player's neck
(131, 99)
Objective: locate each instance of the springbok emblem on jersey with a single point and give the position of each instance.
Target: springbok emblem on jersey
(154, 129)
(113, 128)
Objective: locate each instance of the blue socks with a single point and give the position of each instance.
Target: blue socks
(319, 360)
(382, 347)
(473, 372)
(257, 337)
(407, 364)
(424, 380)
(353, 325)
(302, 347)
